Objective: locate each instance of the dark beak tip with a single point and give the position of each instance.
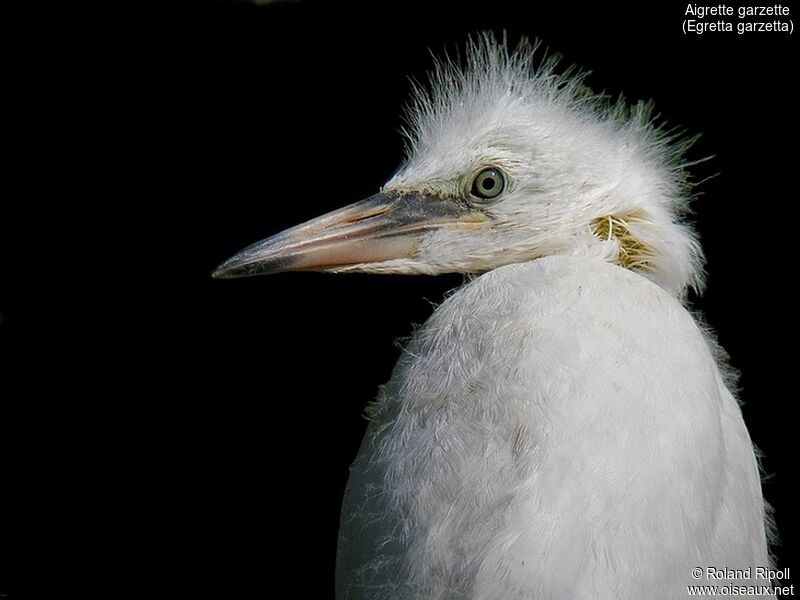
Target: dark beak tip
(237, 268)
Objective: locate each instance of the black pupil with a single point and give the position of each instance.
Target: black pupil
(488, 183)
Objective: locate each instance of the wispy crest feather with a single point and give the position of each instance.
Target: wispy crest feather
(491, 70)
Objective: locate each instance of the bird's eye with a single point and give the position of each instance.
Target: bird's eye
(488, 184)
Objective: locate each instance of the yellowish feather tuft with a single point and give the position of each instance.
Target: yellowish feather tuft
(633, 253)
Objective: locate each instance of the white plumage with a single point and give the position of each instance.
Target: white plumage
(558, 429)
(561, 426)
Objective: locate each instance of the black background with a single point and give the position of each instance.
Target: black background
(168, 434)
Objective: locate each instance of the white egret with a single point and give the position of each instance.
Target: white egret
(561, 427)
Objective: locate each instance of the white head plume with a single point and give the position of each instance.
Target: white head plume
(584, 175)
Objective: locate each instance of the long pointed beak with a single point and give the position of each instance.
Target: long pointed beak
(381, 228)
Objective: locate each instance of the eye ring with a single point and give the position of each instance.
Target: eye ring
(488, 184)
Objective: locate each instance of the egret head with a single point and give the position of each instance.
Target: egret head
(508, 161)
